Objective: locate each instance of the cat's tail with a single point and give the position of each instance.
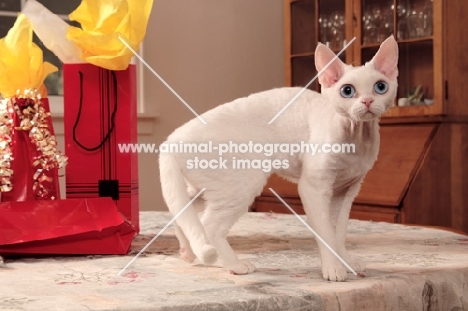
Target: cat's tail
(174, 190)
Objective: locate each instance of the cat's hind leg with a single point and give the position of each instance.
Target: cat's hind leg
(185, 249)
(174, 189)
(227, 197)
(217, 221)
(224, 206)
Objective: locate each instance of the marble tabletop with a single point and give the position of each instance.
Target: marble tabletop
(408, 268)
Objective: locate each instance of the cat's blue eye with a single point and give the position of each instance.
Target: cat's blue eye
(347, 91)
(381, 87)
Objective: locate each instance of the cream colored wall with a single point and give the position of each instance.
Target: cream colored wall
(210, 52)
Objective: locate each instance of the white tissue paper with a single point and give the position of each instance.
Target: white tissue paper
(52, 31)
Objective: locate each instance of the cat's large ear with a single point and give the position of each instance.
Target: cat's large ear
(330, 75)
(386, 58)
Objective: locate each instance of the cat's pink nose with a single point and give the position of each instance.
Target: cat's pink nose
(367, 101)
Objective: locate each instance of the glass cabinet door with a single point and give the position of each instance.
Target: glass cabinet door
(377, 21)
(332, 24)
(411, 23)
(311, 22)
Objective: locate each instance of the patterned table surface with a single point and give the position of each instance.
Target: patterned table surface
(408, 268)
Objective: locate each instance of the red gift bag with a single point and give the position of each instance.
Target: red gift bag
(66, 227)
(34, 172)
(101, 113)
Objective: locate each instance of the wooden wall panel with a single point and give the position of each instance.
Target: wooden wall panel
(428, 200)
(401, 151)
(459, 176)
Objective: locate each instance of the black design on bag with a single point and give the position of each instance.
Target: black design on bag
(106, 188)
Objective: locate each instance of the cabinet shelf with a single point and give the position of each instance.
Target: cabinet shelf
(305, 54)
(401, 42)
(416, 40)
(411, 111)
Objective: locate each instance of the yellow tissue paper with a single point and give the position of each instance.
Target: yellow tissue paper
(21, 63)
(102, 22)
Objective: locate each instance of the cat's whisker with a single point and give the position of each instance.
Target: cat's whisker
(316, 234)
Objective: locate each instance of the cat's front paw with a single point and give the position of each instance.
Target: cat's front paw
(242, 267)
(187, 254)
(334, 272)
(356, 263)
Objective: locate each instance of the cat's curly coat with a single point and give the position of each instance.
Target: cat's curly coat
(347, 111)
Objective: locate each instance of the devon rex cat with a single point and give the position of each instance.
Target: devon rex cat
(347, 111)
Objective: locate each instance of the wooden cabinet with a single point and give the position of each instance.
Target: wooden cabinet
(421, 175)
(308, 22)
(431, 41)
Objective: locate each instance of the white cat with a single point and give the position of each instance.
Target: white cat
(347, 111)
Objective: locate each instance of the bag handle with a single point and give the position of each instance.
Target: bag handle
(78, 117)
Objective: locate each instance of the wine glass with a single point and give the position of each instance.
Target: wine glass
(428, 17)
(386, 25)
(402, 22)
(337, 31)
(369, 28)
(323, 24)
